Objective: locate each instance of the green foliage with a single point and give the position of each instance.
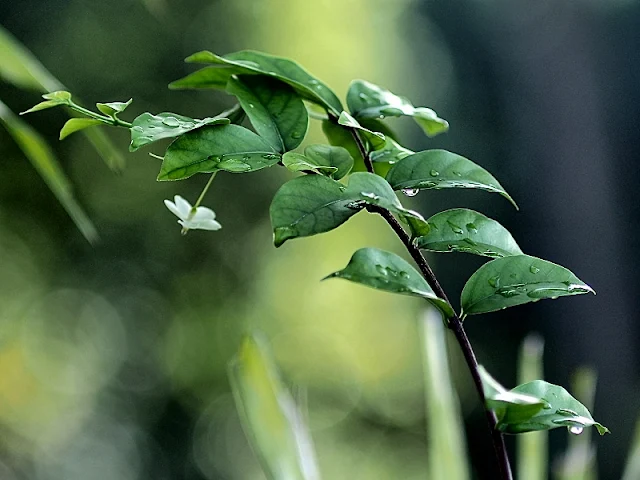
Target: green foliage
(335, 162)
(76, 124)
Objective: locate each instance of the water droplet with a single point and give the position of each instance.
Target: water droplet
(171, 122)
(364, 97)
(457, 174)
(507, 292)
(455, 228)
(434, 173)
(313, 81)
(404, 275)
(471, 227)
(246, 158)
(494, 281)
(138, 129)
(270, 156)
(381, 269)
(576, 430)
(251, 105)
(534, 269)
(296, 135)
(370, 195)
(469, 241)
(410, 192)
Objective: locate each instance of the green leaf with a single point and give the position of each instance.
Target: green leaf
(337, 157)
(275, 110)
(248, 62)
(297, 162)
(387, 271)
(375, 139)
(76, 124)
(515, 280)
(231, 148)
(270, 418)
(462, 230)
(366, 100)
(436, 169)
(374, 190)
(112, 109)
(148, 128)
(53, 99)
(47, 165)
(339, 136)
(391, 152)
(309, 205)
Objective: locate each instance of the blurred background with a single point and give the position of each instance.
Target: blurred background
(113, 356)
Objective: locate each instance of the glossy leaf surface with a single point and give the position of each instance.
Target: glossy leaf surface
(112, 109)
(462, 230)
(297, 162)
(270, 418)
(275, 110)
(249, 62)
(47, 165)
(76, 124)
(148, 128)
(366, 100)
(515, 280)
(375, 139)
(53, 99)
(219, 147)
(436, 169)
(387, 271)
(334, 162)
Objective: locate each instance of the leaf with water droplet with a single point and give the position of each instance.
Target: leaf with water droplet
(249, 62)
(376, 139)
(387, 271)
(208, 149)
(480, 235)
(522, 286)
(415, 170)
(297, 162)
(330, 155)
(148, 128)
(366, 100)
(112, 109)
(278, 113)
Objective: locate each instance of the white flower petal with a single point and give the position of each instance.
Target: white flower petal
(203, 213)
(172, 208)
(209, 225)
(183, 206)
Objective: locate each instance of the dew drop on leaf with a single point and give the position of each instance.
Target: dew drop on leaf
(171, 122)
(434, 173)
(575, 429)
(534, 269)
(410, 192)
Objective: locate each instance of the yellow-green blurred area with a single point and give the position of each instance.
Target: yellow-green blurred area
(113, 357)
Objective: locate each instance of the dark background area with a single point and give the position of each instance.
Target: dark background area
(114, 356)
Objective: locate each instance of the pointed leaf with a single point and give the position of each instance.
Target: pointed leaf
(436, 169)
(376, 139)
(462, 230)
(76, 124)
(387, 271)
(309, 205)
(515, 280)
(54, 99)
(248, 62)
(391, 152)
(329, 155)
(113, 108)
(275, 110)
(148, 128)
(297, 162)
(366, 100)
(270, 418)
(216, 147)
(47, 165)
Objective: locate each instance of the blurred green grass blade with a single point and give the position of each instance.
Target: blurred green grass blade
(447, 450)
(21, 68)
(632, 469)
(579, 461)
(533, 461)
(45, 162)
(270, 417)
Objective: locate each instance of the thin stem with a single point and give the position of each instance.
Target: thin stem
(204, 191)
(114, 121)
(454, 323)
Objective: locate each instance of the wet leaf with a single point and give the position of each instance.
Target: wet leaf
(334, 162)
(112, 109)
(375, 139)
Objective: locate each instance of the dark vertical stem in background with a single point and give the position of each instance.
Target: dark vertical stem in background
(454, 323)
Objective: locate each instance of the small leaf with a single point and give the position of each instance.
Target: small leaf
(337, 157)
(462, 230)
(296, 162)
(249, 62)
(54, 99)
(231, 148)
(113, 108)
(387, 271)
(366, 100)
(515, 280)
(376, 139)
(339, 136)
(309, 205)
(47, 165)
(148, 128)
(391, 152)
(270, 418)
(76, 124)
(275, 110)
(436, 169)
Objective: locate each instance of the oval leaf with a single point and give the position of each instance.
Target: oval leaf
(276, 111)
(148, 128)
(76, 124)
(366, 100)
(220, 147)
(296, 162)
(329, 155)
(436, 169)
(387, 271)
(249, 62)
(515, 280)
(269, 415)
(462, 230)
(308, 205)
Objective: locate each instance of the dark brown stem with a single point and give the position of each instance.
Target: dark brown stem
(454, 323)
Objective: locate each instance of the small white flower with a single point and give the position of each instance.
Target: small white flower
(200, 218)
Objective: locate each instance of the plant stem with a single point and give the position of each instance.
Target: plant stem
(454, 323)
